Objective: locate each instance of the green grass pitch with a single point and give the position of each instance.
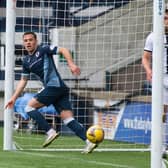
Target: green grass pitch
(51, 159)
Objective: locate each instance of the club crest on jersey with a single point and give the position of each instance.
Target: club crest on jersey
(52, 47)
(37, 54)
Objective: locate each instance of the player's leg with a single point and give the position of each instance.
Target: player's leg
(74, 125)
(78, 129)
(66, 114)
(41, 99)
(32, 110)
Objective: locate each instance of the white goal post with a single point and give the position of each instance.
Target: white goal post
(106, 39)
(9, 73)
(157, 84)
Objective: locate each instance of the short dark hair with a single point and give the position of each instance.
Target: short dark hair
(32, 33)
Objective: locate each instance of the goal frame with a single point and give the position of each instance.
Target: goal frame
(157, 106)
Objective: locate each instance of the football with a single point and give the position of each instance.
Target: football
(95, 134)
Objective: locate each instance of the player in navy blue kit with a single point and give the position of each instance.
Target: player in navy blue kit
(39, 60)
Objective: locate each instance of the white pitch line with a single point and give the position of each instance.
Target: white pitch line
(83, 160)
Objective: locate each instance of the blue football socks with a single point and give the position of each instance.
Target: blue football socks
(78, 129)
(40, 120)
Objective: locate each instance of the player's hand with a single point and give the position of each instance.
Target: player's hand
(10, 104)
(149, 76)
(75, 69)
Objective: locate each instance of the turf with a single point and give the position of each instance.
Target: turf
(52, 159)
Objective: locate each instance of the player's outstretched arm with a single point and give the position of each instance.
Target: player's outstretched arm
(73, 67)
(146, 62)
(20, 87)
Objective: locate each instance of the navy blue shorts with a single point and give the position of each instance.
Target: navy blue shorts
(57, 96)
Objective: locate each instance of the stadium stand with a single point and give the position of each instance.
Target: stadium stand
(73, 13)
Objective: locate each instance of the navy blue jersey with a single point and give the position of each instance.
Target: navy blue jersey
(41, 63)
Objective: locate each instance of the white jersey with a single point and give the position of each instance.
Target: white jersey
(149, 47)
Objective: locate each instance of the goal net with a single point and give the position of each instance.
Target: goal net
(106, 39)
